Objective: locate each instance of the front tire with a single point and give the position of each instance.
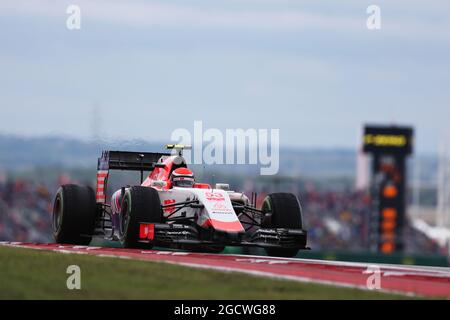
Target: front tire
(74, 212)
(285, 212)
(139, 204)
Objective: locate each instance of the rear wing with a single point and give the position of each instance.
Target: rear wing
(123, 160)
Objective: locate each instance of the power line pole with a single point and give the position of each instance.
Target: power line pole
(443, 206)
(96, 122)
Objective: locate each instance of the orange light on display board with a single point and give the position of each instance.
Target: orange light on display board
(389, 213)
(388, 235)
(387, 247)
(390, 191)
(388, 225)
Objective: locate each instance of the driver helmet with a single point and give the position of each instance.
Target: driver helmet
(182, 177)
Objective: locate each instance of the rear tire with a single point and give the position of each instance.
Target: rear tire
(139, 204)
(286, 213)
(74, 212)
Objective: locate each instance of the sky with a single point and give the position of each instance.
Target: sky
(141, 69)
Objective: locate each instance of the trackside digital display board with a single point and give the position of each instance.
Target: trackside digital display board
(388, 140)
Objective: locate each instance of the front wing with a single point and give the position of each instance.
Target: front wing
(178, 235)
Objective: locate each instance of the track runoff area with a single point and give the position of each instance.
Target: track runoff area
(408, 280)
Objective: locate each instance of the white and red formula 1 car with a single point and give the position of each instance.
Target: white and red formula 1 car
(170, 209)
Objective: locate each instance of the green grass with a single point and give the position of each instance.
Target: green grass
(36, 274)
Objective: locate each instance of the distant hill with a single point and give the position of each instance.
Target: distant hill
(19, 153)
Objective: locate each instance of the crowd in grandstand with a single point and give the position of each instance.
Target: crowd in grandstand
(341, 221)
(334, 220)
(25, 211)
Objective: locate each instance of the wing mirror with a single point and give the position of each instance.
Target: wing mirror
(159, 184)
(223, 186)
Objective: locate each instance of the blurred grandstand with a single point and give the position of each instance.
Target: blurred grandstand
(25, 209)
